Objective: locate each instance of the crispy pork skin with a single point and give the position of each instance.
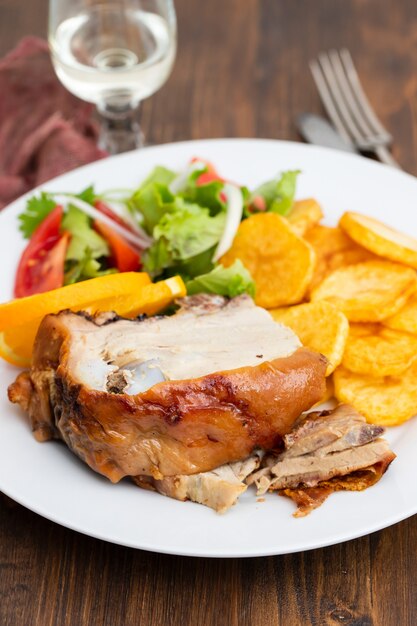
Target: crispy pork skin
(326, 451)
(168, 396)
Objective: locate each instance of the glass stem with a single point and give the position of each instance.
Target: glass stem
(120, 129)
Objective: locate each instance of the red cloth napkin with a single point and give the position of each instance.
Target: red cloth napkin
(44, 130)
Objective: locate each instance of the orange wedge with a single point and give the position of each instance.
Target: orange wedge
(76, 297)
(16, 345)
(130, 295)
(150, 299)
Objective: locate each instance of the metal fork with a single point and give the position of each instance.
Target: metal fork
(348, 107)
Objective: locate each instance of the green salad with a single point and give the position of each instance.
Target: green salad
(173, 223)
(193, 218)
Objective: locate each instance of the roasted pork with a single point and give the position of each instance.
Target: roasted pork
(326, 451)
(168, 396)
(219, 489)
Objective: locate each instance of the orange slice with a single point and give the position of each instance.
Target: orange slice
(151, 299)
(131, 295)
(76, 297)
(16, 345)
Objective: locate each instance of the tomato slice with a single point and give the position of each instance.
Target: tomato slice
(258, 203)
(48, 228)
(44, 270)
(210, 167)
(36, 271)
(210, 175)
(106, 210)
(126, 258)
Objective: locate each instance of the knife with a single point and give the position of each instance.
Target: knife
(317, 130)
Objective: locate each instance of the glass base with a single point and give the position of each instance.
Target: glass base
(120, 129)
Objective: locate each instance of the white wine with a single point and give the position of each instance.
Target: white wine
(104, 55)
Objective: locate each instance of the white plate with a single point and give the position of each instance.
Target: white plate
(48, 479)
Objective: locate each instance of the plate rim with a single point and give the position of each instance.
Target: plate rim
(255, 552)
(183, 143)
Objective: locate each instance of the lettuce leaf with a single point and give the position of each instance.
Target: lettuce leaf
(225, 281)
(152, 202)
(278, 193)
(160, 175)
(200, 264)
(157, 258)
(87, 267)
(153, 198)
(83, 237)
(207, 195)
(189, 231)
(181, 235)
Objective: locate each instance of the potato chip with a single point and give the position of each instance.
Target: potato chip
(333, 249)
(304, 214)
(385, 400)
(406, 318)
(375, 350)
(319, 326)
(368, 292)
(280, 261)
(380, 238)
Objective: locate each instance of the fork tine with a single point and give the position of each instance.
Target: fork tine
(347, 106)
(327, 100)
(338, 96)
(349, 96)
(361, 98)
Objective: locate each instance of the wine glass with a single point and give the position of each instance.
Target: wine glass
(113, 53)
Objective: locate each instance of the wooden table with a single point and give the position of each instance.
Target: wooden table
(241, 72)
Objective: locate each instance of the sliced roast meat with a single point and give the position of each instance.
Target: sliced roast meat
(311, 469)
(309, 498)
(218, 489)
(169, 395)
(216, 335)
(330, 431)
(321, 447)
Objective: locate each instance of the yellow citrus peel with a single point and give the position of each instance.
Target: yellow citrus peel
(128, 294)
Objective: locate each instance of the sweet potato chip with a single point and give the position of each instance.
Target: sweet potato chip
(375, 350)
(385, 400)
(304, 214)
(320, 326)
(368, 292)
(380, 238)
(280, 261)
(406, 318)
(333, 250)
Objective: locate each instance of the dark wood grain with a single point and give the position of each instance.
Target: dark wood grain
(241, 71)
